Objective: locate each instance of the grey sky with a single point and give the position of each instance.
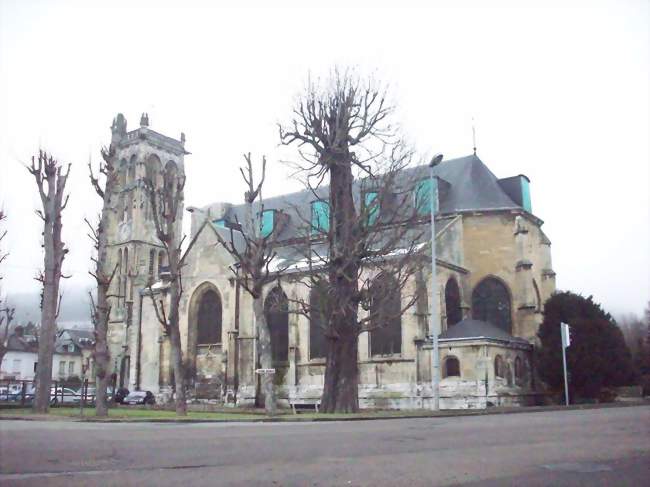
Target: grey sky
(559, 92)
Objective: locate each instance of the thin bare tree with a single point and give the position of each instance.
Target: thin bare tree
(6, 313)
(103, 274)
(253, 257)
(342, 129)
(47, 172)
(167, 204)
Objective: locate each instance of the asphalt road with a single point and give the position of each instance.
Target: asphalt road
(585, 447)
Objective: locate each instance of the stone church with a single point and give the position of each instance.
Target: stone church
(493, 273)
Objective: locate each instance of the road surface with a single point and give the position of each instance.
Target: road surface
(581, 447)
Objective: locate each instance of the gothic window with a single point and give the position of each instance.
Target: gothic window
(161, 261)
(153, 169)
(317, 322)
(276, 311)
(519, 371)
(451, 367)
(128, 202)
(152, 257)
(121, 175)
(131, 171)
(452, 302)
(385, 316)
(499, 367)
(209, 318)
(491, 303)
(538, 298)
(170, 173)
(126, 274)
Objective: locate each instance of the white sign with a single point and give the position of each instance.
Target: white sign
(566, 335)
(265, 371)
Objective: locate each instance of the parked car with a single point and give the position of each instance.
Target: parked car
(64, 395)
(121, 394)
(140, 397)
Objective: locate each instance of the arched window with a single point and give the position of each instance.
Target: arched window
(538, 297)
(120, 272)
(317, 322)
(152, 257)
(491, 303)
(499, 367)
(131, 174)
(519, 371)
(126, 274)
(385, 316)
(452, 302)
(161, 261)
(451, 367)
(128, 205)
(121, 174)
(276, 311)
(209, 318)
(153, 170)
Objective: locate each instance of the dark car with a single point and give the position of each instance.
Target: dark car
(140, 397)
(121, 394)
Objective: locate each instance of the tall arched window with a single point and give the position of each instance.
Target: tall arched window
(452, 302)
(120, 272)
(451, 367)
(153, 170)
(519, 371)
(499, 366)
(121, 175)
(131, 174)
(161, 261)
(491, 303)
(276, 311)
(317, 322)
(385, 316)
(126, 274)
(209, 318)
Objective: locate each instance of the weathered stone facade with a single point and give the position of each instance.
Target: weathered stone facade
(486, 243)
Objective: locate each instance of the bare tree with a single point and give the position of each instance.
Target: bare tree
(7, 318)
(166, 205)
(47, 171)
(253, 259)
(372, 248)
(101, 308)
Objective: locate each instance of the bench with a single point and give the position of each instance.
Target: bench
(304, 404)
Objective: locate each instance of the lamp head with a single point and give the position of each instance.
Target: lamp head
(435, 160)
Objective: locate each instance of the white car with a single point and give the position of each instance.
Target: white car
(64, 395)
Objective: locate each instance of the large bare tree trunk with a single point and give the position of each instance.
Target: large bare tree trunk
(49, 171)
(265, 356)
(101, 310)
(340, 393)
(175, 337)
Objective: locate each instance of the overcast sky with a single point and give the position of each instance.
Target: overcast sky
(558, 91)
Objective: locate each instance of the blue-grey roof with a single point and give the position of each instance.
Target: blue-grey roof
(467, 185)
(469, 328)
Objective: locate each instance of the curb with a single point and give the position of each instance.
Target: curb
(325, 418)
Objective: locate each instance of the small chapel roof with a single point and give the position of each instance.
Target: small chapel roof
(470, 328)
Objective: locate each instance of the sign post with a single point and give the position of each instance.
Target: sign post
(566, 341)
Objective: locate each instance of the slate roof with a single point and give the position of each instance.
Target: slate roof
(24, 343)
(469, 185)
(469, 328)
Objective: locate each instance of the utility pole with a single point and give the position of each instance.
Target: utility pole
(566, 341)
(433, 327)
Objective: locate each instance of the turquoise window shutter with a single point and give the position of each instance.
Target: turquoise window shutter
(320, 217)
(373, 214)
(423, 197)
(221, 222)
(525, 195)
(268, 221)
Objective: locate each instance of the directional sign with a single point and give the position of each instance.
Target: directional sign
(265, 371)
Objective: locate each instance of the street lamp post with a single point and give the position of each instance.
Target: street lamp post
(433, 327)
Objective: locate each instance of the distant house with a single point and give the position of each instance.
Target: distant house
(72, 349)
